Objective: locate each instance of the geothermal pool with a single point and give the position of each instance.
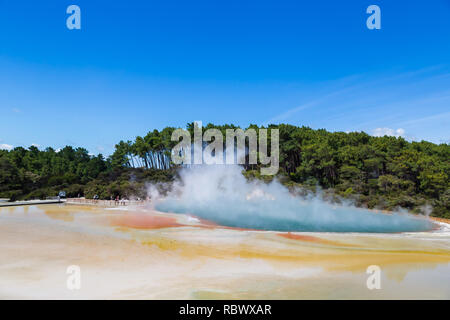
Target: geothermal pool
(223, 195)
(141, 253)
(294, 214)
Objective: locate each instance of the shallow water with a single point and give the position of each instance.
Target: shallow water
(296, 215)
(223, 195)
(139, 253)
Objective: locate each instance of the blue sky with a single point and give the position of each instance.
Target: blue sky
(139, 65)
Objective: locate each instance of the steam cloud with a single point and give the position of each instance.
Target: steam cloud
(223, 195)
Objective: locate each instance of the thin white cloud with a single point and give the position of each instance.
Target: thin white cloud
(412, 104)
(36, 145)
(312, 103)
(16, 110)
(439, 116)
(4, 146)
(364, 103)
(381, 132)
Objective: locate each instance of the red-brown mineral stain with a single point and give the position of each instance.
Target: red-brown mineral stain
(313, 239)
(144, 221)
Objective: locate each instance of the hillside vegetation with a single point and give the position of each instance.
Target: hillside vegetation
(374, 172)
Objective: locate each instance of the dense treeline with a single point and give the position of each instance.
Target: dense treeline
(32, 173)
(376, 172)
(151, 151)
(384, 172)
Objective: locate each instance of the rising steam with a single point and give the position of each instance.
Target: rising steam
(223, 195)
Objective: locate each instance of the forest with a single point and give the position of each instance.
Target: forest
(374, 172)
